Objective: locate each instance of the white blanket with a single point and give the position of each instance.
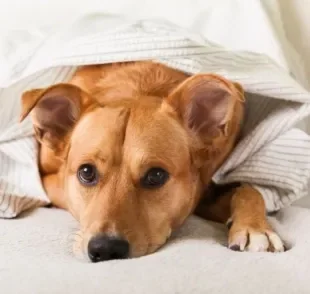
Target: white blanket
(36, 257)
(272, 155)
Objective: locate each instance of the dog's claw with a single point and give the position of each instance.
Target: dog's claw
(234, 247)
(238, 241)
(276, 242)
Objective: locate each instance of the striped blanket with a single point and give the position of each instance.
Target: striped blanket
(273, 155)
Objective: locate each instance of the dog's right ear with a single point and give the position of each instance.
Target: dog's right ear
(54, 112)
(205, 103)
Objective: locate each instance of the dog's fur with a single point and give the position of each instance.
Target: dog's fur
(127, 118)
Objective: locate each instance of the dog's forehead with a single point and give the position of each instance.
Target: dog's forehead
(137, 134)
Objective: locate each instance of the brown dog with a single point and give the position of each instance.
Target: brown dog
(129, 150)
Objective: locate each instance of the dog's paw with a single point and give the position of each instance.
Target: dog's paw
(253, 238)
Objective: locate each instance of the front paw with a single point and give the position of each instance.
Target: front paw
(255, 237)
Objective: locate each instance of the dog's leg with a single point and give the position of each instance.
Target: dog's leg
(243, 210)
(54, 190)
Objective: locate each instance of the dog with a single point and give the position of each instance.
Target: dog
(129, 149)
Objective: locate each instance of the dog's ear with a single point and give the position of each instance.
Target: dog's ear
(205, 103)
(54, 112)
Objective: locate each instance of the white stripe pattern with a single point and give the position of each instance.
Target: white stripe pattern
(272, 155)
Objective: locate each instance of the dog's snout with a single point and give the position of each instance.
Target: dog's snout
(102, 248)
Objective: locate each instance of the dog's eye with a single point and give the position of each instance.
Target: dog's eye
(87, 174)
(154, 178)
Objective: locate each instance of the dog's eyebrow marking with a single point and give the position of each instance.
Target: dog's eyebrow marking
(98, 155)
(125, 124)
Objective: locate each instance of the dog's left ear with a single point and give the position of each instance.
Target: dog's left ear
(205, 103)
(54, 112)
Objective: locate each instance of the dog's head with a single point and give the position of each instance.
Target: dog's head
(134, 169)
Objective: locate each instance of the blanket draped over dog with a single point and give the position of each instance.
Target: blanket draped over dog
(272, 154)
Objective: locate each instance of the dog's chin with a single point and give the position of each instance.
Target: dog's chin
(149, 248)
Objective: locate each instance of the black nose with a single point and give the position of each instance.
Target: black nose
(101, 248)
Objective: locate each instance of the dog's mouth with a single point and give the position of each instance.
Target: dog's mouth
(103, 247)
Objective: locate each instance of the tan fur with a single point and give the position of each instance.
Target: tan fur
(131, 118)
